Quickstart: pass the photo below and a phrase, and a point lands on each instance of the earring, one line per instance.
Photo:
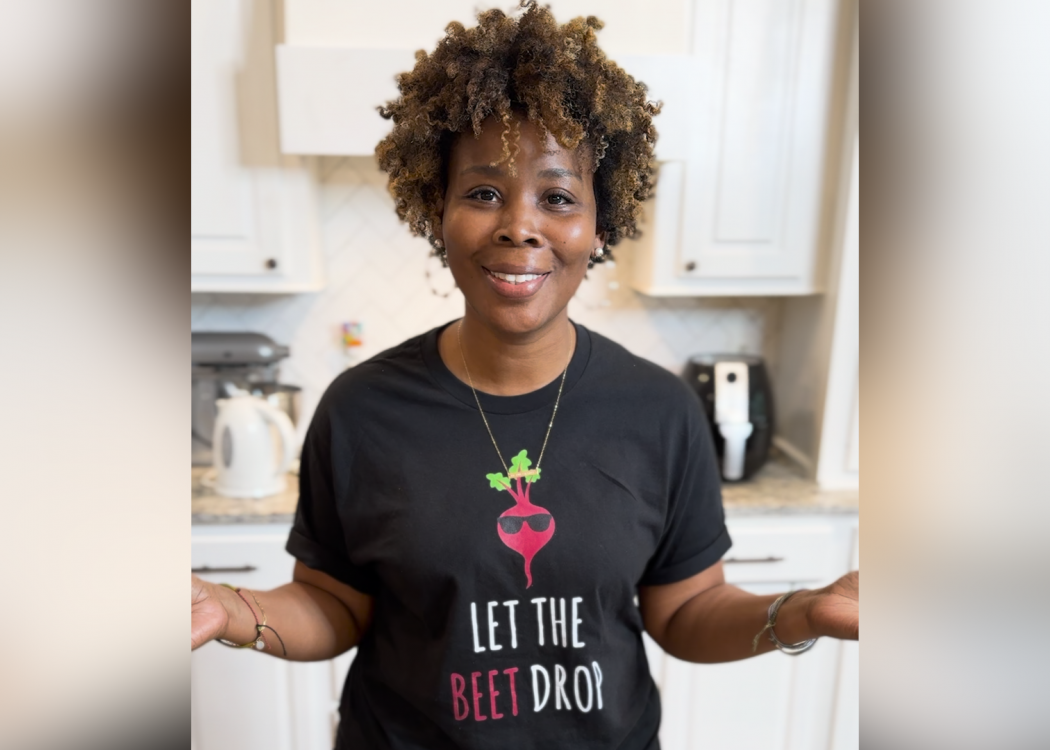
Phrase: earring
(598, 256)
(439, 251)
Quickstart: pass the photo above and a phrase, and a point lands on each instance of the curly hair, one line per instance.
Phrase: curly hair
(556, 76)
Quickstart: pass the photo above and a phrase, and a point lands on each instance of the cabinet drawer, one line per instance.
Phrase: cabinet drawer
(257, 562)
(781, 553)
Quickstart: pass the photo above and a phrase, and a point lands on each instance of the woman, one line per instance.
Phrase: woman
(480, 506)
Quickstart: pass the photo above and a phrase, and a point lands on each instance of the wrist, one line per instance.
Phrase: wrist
(240, 621)
(794, 624)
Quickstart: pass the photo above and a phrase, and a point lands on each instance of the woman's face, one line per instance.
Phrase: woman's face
(518, 245)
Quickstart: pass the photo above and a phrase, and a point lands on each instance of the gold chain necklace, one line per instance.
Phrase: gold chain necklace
(459, 338)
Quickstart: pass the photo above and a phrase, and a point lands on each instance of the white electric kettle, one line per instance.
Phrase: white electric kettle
(246, 460)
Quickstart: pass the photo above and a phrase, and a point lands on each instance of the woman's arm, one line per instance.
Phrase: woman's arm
(316, 616)
(704, 619)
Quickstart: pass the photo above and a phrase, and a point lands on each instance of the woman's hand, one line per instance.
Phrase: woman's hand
(209, 618)
(835, 610)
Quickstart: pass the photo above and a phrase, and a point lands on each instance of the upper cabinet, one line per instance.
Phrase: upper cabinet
(253, 221)
(752, 97)
(745, 212)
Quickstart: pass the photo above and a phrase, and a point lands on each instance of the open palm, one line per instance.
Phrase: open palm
(835, 610)
(208, 618)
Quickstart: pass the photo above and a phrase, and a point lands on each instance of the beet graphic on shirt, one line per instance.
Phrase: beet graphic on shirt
(525, 528)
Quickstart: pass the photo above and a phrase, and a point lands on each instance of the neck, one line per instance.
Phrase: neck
(507, 365)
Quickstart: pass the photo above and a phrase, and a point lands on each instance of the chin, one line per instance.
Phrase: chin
(519, 322)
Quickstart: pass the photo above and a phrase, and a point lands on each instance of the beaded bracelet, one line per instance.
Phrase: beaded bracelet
(259, 642)
(792, 649)
(264, 625)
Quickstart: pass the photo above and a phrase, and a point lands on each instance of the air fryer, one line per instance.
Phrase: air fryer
(736, 394)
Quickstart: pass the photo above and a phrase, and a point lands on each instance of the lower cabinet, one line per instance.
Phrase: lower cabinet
(773, 701)
(242, 701)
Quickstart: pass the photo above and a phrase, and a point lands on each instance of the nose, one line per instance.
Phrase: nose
(519, 226)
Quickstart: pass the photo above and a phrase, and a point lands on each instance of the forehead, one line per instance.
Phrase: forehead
(531, 147)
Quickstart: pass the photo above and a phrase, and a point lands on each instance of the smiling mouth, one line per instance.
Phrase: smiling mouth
(520, 278)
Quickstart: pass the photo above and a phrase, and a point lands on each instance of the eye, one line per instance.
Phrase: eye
(558, 199)
(486, 195)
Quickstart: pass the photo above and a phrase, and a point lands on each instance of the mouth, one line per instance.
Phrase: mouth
(516, 283)
(516, 278)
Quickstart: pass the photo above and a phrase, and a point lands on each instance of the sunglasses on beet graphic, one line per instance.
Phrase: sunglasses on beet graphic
(512, 524)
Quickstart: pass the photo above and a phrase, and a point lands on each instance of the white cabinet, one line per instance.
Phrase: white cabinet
(753, 98)
(773, 701)
(846, 721)
(246, 701)
(253, 214)
(742, 213)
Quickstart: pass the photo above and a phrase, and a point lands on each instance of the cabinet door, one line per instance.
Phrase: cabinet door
(774, 701)
(845, 731)
(317, 689)
(241, 700)
(741, 213)
(232, 232)
(753, 187)
(247, 701)
(253, 224)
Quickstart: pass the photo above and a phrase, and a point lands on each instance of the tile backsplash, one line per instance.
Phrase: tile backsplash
(383, 278)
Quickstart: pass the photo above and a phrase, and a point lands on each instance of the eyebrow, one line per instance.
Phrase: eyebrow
(497, 171)
(559, 172)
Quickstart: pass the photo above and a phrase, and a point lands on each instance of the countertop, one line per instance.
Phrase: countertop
(780, 487)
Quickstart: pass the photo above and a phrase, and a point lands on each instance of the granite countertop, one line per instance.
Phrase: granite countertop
(210, 508)
(779, 488)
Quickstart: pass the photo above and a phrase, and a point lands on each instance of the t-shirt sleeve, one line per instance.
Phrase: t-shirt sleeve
(695, 535)
(318, 537)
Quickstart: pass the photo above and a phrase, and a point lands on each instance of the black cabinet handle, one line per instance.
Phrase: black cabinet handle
(729, 560)
(271, 263)
(242, 569)
(690, 266)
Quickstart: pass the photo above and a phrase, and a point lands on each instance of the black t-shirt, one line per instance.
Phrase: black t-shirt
(505, 611)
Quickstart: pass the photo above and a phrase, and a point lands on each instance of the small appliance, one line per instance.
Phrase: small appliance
(225, 361)
(738, 398)
(247, 459)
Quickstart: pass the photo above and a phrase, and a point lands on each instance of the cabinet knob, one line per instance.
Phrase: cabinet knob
(271, 263)
(690, 266)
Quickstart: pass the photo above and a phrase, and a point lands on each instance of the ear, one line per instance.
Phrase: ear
(599, 242)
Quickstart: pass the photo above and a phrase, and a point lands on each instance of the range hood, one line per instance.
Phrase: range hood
(327, 97)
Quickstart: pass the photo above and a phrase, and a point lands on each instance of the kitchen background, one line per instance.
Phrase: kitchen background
(745, 248)
(376, 275)
(750, 247)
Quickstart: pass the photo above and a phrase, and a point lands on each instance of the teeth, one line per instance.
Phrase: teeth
(516, 278)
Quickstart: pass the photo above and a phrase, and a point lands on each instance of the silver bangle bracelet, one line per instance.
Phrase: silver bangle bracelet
(792, 649)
